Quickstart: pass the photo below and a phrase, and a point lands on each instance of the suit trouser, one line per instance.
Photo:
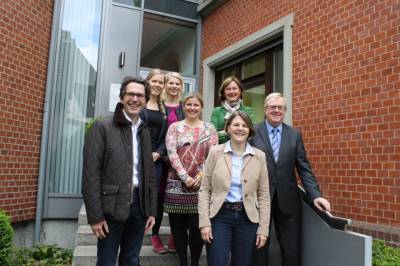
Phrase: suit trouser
(288, 232)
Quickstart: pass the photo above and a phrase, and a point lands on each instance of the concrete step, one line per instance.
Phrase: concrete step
(86, 256)
(85, 237)
(82, 220)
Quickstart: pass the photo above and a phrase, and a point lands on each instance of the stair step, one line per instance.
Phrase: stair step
(85, 237)
(82, 219)
(86, 256)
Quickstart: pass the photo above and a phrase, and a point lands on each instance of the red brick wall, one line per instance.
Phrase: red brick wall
(25, 28)
(346, 93)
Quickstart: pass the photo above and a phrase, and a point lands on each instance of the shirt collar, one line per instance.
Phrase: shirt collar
(270, 127)
(138, 122)
(248, 150)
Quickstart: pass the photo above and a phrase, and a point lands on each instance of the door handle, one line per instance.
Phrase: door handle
(121, 59)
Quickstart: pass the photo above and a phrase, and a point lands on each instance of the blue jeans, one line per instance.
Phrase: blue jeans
(128, 235)
(233, 232)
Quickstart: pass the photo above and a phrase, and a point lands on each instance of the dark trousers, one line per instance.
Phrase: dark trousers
(232, 232)
(127, 235)
(288, 233)
(185, 228)
(159, 173)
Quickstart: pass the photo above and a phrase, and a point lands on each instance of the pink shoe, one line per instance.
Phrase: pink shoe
(171, 244)
(157, 244)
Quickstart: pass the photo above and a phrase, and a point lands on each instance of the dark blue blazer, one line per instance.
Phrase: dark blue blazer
(282, 174)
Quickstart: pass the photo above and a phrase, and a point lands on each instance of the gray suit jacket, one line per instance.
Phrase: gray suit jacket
(282, 174)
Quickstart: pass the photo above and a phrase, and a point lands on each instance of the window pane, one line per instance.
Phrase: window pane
(231, 71)
(254, 97)
(168, 44)
(173, 7)
(278, 70)
(253, 66)
(136, 3)
(73, 94)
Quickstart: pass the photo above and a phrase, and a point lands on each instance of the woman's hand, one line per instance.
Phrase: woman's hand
(206, 234)
(197, 181)
(156, 156)
(189, 182)
(260, 241)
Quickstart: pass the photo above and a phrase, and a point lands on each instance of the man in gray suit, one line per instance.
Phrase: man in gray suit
(285, 153)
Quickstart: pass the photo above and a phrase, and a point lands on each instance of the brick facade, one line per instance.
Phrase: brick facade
(25, 29)
(346, 95)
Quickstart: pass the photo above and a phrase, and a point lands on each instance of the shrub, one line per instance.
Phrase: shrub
(46, 255)
(6, 238)
(383, 255)
(89, 124)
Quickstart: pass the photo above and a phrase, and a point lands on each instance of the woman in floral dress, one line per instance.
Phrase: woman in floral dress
(188, 142)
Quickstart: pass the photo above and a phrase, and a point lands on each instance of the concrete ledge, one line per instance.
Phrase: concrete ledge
(208, 6)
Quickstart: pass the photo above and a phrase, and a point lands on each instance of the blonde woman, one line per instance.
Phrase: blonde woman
(172, 97)
(155, 118)
(188, 142)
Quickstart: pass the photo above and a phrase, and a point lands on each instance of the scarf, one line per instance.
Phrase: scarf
(230, 108)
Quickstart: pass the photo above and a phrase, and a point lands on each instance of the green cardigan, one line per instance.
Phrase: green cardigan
(217, 119)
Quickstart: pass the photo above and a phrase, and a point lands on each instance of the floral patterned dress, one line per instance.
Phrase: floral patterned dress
(187, 151)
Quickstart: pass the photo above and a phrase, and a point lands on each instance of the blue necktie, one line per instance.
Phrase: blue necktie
(275, 143)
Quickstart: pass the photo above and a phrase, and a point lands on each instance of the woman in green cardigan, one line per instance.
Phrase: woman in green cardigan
(230, 97)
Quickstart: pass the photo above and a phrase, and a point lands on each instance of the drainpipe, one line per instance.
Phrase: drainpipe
(42, 171)
(198, 54)
(45, 125)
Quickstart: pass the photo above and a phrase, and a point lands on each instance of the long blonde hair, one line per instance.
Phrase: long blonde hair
(152, 73)
(168, 77)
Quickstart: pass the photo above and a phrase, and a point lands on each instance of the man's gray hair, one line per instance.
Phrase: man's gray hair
(273, 96)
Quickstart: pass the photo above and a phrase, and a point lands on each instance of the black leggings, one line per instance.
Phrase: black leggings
(159, 173)
(181, 224)
(160, 212)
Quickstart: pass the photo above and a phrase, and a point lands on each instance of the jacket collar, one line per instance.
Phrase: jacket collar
(120, 118)
(248, 149)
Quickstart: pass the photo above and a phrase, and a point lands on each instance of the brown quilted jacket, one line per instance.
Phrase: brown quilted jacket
(107, 170)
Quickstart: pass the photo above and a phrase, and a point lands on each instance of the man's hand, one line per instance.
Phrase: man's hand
(322, 204)
(149, 224)
(260, 241)
(100, 230)
(206, 234)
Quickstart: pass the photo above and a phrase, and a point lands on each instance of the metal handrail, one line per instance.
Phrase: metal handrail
(333, 221)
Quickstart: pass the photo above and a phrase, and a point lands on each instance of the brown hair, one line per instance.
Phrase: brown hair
(225, 84)
(246, 118)
(130, 79)
(193, 95)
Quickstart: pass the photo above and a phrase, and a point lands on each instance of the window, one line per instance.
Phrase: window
(173, 7)
(260, 72)
(135, 3)
(73, 93)
(168, 44)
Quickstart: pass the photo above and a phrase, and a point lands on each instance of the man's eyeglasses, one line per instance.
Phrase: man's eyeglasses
(279, 107)
(132, 95)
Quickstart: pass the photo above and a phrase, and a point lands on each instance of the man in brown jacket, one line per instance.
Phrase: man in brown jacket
(119, 187)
